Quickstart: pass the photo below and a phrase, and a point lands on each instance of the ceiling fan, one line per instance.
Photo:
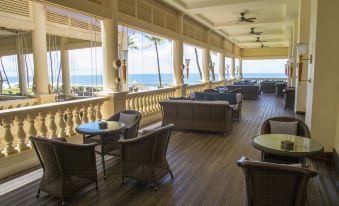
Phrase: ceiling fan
(255, 32)
(242, 18)
(8, 30)
(259, 41)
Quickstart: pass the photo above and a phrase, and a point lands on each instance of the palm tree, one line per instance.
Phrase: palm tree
(197, 61)
(131, 42)
(157, 41)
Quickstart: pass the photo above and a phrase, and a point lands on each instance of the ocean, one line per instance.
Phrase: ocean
(146, 80)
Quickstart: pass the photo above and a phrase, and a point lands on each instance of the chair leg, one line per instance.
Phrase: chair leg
(38, 194)
(103, 165)
(155, 186)
(96, 185)
(171, 173)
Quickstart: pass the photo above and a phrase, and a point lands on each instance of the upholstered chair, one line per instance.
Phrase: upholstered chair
(144, 157)
(67, 168)
(274, 184)
(302, 130)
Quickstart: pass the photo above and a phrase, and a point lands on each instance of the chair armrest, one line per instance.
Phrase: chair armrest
(115, 117)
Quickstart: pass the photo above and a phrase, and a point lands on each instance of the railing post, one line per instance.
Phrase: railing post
(91, 113)
(116, 102)
(69, 122)
(52, 125)
(98, 112)
(61, 124)
(181, 91)
(8, 137)
(31, 121)
(77, 119)
(21, 134)
(42, 125)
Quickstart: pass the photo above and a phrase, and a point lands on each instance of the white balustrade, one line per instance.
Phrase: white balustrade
(147, 102)
(195, 88)
(11, 104)
(46, 120)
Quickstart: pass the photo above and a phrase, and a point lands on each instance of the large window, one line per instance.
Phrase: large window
(194, 55)
(228, 64)
(214, 63)
(150, 60)
(267, 68)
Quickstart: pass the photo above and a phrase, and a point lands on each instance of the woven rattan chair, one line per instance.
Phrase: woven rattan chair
(67, 168)
(274, 184)
(144, 158)
(302, 130)
(109, 145)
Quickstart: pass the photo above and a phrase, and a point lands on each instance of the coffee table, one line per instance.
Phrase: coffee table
(92, 129)
(271, 143)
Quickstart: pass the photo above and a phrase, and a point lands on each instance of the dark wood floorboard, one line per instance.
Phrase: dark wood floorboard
(204, 170)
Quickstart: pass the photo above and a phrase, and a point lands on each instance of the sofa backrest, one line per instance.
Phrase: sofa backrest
(205, 96)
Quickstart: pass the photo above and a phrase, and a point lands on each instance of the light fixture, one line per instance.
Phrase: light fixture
(302, 49)
(187, 61)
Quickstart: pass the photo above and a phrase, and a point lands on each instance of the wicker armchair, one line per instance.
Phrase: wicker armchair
(67, 168)
(144, 157)
(302, 130)
(274, 184)
(109, 145)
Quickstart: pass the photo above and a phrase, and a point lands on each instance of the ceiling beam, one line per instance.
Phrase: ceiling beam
(265, 35)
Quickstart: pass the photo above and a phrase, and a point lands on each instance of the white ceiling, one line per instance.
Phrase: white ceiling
(275, 18)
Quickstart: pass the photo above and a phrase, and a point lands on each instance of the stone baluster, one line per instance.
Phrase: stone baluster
(21, 134)
(61, 124)
(31, 121)
(98, 112)
(42, 125)
(8, 137)
(136, 105)
(147, 102)
(91, 113)
(85, 114)
(52, 125)
(154, 102)
(127, 104)
(143, 101)
(69, 122)
(157, 102)
(131, 103)
(77, 119)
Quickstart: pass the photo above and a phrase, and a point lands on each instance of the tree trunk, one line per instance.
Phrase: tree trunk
(197, 61)
(159, 75)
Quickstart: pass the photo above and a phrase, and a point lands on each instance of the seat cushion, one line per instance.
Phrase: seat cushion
(128, 119)
(278, 127)
(230, 97)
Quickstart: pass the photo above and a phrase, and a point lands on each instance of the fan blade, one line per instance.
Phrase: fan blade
(253, 18)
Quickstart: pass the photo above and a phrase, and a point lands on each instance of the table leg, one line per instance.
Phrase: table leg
(103, 157)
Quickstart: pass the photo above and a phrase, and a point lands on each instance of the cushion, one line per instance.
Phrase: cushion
(217, 97)
(199, 96)
(278, 127)
(208, 96)
(230, 97)
(128, 119)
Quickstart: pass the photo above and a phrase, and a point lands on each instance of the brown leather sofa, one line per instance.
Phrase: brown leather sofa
(213, 116)
(247, 91)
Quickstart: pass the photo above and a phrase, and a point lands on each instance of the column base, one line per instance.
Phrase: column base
(46, 98)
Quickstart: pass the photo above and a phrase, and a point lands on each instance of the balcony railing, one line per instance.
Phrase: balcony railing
(46, 120)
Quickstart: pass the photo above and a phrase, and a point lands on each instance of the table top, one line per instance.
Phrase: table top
(92, 128)
(271, 143)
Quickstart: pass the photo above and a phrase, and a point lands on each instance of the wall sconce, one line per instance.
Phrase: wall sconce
(301, 50)
(187, 61)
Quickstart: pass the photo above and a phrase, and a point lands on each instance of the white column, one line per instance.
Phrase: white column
(178, 54)
(21, 67)
(206, 60)
(240, 68)
(322, 93)
(304, 34)
(66, 80)
(109, 39)
(40, 49)
(221, 66)
(232, 68)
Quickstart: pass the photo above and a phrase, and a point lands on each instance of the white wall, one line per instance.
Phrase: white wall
(322, 93)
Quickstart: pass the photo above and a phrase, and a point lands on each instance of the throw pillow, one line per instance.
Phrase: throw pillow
(128, 119)
(278, 127)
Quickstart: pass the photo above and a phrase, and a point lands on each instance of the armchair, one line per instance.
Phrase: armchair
(274, 184)
(144, 157)
(67, 168)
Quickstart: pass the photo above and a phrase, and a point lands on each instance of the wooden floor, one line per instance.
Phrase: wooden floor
(204, 170)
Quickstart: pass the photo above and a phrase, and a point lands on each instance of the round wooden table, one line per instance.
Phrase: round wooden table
(92, 129)
(271, 143)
